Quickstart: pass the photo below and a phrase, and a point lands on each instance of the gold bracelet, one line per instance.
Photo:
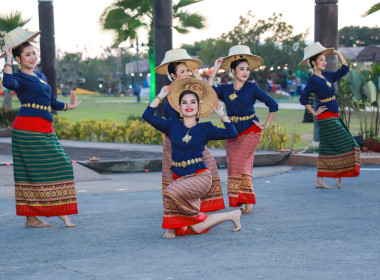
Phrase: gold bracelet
(66, 107)
(10, 65)
(212, 77)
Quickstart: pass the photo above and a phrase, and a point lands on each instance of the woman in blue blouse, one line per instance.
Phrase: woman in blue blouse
(43, 174)
(339, 154)
(177, 64)
(194, 99)
(240, 98)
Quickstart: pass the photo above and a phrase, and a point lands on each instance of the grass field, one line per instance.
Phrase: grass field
(119, 108)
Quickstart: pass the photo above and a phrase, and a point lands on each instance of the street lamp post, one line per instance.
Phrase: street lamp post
(137, 86)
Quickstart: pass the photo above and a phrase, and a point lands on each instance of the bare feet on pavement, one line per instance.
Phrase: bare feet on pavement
(33, 221)
(236, 219)
(247, 208)
(170, 233)
(338, 180)
(67, 221)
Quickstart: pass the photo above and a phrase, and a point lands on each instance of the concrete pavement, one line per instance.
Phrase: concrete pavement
(296, 232)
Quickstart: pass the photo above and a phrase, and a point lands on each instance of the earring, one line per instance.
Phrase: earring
(315, 67)
(198, 114)
(19, 66)
(180, 115)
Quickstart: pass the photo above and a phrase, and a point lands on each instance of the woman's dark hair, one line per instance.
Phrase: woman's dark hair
(188, 92)
(235, 63)
(314, 58)
(172, 67)
(18, 51)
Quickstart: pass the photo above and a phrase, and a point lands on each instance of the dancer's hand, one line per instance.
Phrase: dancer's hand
(218, 63)
(320, 110)
(197, 75)
(74, 102)
(259, 124)
(336, 52)
(8, 51)
(219, 109)
(164, 92)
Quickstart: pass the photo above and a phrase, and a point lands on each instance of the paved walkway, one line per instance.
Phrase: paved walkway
(296, 232)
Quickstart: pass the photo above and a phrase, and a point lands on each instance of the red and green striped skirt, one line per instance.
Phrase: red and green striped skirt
(43, 174)
(339, 154)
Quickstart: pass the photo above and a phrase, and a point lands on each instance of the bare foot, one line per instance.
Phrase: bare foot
(248, 208)
(338, 180)
(67, 221)
(236, 219)
(33, 221)
(322, 185)
(170, 233)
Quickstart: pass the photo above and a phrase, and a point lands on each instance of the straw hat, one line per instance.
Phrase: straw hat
(177, 55)
(18, 36)
(314, 49)
(241, 52)
(207, 96)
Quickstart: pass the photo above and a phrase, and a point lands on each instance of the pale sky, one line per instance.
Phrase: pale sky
(77, 21)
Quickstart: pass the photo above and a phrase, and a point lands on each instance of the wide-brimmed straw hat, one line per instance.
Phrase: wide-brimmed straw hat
(207, 96)
(177, 55)
(241, 52)
(312, 50)
(18, 36)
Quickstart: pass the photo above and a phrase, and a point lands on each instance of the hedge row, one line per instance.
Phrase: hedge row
(136, 130)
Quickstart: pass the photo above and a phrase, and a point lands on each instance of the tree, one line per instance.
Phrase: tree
(127, 17)
(356, 36)
(272, 39)
(7, 24)
(372, 10)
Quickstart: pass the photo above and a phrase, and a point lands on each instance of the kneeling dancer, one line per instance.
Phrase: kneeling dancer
(182, 198)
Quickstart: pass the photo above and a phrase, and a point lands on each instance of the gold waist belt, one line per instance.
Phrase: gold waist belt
(236, 119)
(186, 163)
(327, 99)
(37, 106)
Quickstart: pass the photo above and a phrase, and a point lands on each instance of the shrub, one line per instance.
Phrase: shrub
(7, 118)
(138, 131)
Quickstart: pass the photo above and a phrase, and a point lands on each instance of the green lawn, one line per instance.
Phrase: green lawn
(119, 108)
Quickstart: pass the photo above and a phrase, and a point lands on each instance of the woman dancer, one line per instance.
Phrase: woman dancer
(240, 98)
(339, 154)
(43, 174)
(194, 99)
(176, 65)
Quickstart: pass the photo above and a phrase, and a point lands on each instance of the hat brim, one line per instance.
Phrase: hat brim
(193, 64)
(30, 37)
(254, 61)
(207, 103)
(327, 51)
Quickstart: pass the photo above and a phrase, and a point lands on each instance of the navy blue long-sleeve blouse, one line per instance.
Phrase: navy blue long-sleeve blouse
(169, 112)
(243, 105)
(322, 90)
(200, 133)
(30, 89)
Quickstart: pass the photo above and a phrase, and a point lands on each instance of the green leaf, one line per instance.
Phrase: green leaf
(355, 83)
(369, 89)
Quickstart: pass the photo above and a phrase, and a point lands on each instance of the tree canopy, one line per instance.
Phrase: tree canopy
(356, 36)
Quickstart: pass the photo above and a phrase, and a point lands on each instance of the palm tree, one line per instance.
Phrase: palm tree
(127, 17)
(8, 23)
(371, 10)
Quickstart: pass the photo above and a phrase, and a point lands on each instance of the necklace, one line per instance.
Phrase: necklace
(327, 82)
(186, 139)
(233, 96)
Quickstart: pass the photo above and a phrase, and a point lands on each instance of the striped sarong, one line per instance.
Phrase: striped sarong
(213, 200)
(182, 200)
(240, 156)
(339, 154)
(43, 174)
